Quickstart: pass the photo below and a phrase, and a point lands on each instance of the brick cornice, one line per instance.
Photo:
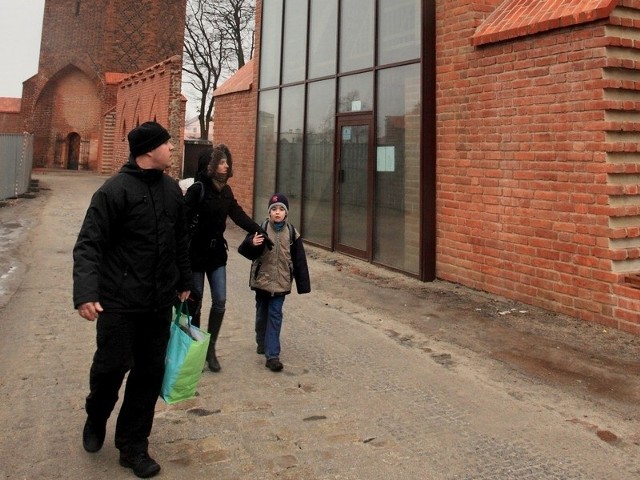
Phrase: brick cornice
(516, 18)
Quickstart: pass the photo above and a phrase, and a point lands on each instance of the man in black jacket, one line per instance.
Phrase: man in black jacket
(130, 263)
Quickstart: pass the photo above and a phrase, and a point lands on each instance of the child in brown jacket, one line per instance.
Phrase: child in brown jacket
(273, 270)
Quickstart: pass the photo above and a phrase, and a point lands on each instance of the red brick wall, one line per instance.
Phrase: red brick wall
(11, 123)
(110, 35)
(140, 33)
(528, 164)
(152, 94)
(235, 125)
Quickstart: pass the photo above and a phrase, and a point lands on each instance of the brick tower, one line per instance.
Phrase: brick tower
(87, 48)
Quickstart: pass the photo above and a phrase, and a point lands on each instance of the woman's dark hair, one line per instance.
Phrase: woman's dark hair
(203, 161)
(214, 154)
(219, 151)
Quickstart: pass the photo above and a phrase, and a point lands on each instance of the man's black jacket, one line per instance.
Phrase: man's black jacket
(132, 250)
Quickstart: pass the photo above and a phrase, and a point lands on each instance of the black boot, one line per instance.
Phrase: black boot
(93, 434)
(215, 322)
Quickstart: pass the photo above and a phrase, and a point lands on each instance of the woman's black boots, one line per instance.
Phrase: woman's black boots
(215, 322)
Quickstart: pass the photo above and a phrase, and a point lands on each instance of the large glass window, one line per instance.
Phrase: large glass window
(398, 31)
(320, 61)
(397, 178)
(266, 149)
(270, 43)
(295, 41)
(356, 35)
(323, 28)
(289, 179)
(356, 93)
(318, 165)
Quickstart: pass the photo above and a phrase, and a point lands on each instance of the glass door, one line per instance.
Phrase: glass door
(354, 182)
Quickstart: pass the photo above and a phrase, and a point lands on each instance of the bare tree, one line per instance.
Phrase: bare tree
(218, 38)
(237, 20)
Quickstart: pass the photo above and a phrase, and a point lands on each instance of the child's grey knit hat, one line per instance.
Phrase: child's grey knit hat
(280, 200)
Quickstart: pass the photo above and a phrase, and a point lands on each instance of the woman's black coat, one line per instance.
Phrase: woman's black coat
(208, 249)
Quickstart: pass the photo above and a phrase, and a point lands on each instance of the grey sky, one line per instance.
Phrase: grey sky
(20, 30)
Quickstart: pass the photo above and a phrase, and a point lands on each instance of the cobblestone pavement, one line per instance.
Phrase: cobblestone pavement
(353, 401)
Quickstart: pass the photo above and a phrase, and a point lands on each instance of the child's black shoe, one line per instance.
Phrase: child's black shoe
(274, 364)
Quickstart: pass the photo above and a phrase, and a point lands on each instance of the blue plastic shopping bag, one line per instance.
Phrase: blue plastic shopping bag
(186, 354)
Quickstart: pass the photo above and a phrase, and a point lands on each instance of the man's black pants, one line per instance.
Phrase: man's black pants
(134, 343)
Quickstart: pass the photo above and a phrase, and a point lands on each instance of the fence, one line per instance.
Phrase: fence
(16, 160)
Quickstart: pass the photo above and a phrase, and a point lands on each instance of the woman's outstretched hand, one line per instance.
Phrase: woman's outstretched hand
(258, 239)
(265, 239)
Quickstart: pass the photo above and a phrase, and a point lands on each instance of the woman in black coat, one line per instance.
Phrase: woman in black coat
(209, 202)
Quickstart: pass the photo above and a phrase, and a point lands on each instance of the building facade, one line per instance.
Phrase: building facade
(492, 144)
(151, 94)
(10, 115)
(88, 47)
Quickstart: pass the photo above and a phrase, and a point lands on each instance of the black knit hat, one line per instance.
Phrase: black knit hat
(279, 199)
(146, 137)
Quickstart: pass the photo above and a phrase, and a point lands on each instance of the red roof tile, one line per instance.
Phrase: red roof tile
(515, 18)
(239, 82)
(10, 104)
(113, 78)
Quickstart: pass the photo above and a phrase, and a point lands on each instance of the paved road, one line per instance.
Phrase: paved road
(352, 403)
